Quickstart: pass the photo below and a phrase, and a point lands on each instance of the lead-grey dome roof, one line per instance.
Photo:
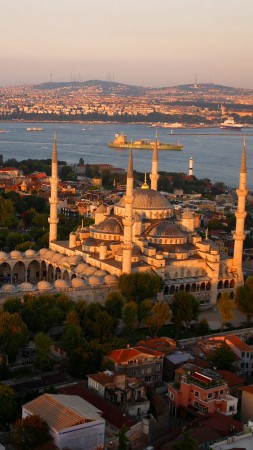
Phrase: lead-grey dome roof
(166, 229)
(147, 199)
(110, 225)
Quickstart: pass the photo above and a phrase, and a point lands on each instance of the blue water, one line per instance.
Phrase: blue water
(216, 155)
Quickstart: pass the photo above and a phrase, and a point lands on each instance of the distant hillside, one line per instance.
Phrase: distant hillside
(103, 87)
(121, 89)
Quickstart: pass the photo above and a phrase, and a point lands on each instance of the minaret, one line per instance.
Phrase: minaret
(53, 200)
(240, 215)
(191, 166)
(128, 219)
(154, 174)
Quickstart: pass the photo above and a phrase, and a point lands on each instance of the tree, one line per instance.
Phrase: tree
(185, 309)
(7, 213)
(8, 405)
(13, 334)
(223, 357)
(30, 433)
(144, 310)
(139, 286)
(123, 439)
(159, 315)
(225, 308)
(103, 325)
(72, 337)
(187, 443)
(13, 305)
(130, 316)
(244, 298)
(67, 174)
(43, 344)
(114, 304)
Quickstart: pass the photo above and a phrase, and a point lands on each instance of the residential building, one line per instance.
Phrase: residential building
(138, 362)
(200, 392)
(128, 393)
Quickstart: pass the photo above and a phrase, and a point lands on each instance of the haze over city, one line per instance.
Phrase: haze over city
(148, 42)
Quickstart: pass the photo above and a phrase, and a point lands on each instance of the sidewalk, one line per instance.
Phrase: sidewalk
(214, 319)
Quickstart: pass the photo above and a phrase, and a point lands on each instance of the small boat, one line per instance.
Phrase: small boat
(230, 124)
(35, 129)
(3, 131)
(120, 141)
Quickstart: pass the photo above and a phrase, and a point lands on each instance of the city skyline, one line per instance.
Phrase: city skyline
(144, 43)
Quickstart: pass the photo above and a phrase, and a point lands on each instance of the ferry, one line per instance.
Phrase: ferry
(230, 124)
(121, 141)
(35, 129)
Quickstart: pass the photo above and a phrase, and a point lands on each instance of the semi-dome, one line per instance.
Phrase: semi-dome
(15, 254)
(9, 288)
(94, 281)
(44, 286)
(166, 229)
(111, 279)
(30, 253)
(26, 287)
(81, 267)
(110, 225)
(61, 284)
(78, 283)
(147, 199)
(3, 256)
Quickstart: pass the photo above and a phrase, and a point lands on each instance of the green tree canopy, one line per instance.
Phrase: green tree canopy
(223, 357)
(159, 315)
(8, 405)
(13, 305)
(185, 309)
(13, 333)
(244, 298)
(7, 213)
(72, 337)
(40, 312)
(114, 304)
(43, 344)
(130, 316)
(139, 286)
(30, 433)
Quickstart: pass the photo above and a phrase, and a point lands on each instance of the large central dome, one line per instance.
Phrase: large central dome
(147, 199)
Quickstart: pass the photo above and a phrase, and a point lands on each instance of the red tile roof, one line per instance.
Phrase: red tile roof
(231, 378)
(126, 354)
(238, 343)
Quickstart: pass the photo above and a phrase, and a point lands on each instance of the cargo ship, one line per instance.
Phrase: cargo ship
(121, 141)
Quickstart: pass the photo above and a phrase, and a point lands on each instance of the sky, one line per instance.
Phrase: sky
(140, 42)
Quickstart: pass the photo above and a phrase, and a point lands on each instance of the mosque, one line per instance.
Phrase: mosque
(142, 232)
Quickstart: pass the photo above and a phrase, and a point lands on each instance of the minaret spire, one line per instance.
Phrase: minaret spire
(154, 173)
(53, 200)
(240, 215)
(128, 218)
